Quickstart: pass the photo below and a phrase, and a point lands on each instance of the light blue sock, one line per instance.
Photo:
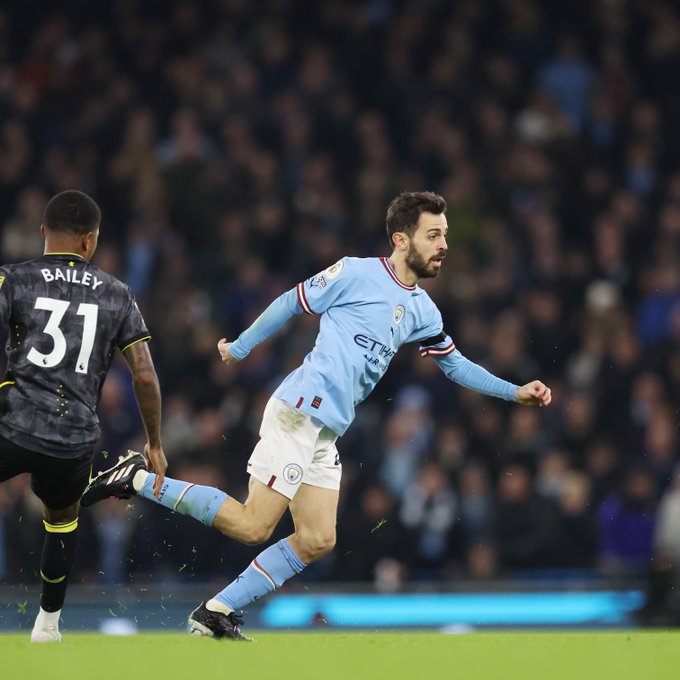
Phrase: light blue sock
(199, 502)
(265, 573)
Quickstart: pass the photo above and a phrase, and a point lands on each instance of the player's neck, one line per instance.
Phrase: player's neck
(64, 252)
(57, 247)
(402, 271)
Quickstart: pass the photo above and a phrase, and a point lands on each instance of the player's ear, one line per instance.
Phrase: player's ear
(88, 242)
(42, 231)
(399, 240)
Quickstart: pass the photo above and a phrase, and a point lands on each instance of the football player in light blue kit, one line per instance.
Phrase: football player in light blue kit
(369, 308)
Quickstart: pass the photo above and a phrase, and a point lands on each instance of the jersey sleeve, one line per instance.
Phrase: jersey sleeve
(132, 329)
(313, 296)
(430, 335)
(320, 292)
(275, 316)
(467, 373)
(5, 298)
(436, 343)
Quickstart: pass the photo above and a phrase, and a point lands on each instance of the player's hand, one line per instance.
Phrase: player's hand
(223, 348)
(156, 462)
(534, 393)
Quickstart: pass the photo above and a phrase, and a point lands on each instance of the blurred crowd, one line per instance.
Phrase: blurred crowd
(237, 148)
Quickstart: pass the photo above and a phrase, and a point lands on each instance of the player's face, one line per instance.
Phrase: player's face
(427, 248)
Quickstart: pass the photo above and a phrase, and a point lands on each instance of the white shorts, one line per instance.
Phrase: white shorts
(294, 448)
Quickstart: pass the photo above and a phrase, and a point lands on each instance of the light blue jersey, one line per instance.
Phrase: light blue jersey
(367, 314)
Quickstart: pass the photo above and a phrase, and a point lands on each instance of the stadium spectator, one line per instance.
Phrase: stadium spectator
(524, 525)
(429, 511)
(626, 520)
(578, 532)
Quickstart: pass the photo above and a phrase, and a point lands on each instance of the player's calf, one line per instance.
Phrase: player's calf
(312, 546)
(129, 477)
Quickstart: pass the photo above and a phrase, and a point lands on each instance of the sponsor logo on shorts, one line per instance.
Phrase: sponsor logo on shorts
(292, 473)
(316, 402)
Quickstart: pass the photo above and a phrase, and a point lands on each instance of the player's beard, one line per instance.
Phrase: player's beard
(422, 268)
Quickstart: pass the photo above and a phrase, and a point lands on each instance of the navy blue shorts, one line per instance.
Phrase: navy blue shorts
(57, 482)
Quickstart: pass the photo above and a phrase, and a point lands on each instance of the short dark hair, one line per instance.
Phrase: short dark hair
(72, 211)
(404, 211)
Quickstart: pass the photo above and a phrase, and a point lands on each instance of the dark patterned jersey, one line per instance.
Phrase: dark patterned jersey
(64, 318)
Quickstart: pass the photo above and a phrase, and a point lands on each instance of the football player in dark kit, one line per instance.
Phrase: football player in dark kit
(64, 318)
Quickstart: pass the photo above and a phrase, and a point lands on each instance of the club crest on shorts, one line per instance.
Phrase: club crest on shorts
(399, 313)
(335, 269)
(292, 473)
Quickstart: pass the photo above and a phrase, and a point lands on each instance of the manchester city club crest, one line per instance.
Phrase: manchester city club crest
(399, 313)
(292, 473)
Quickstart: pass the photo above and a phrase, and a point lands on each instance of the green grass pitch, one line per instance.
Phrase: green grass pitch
(350, 656)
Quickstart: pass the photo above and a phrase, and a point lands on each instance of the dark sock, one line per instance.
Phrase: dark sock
(58, 553)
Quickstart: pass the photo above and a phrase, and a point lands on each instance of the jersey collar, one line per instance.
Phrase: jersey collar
(64, 255)
(388, 266)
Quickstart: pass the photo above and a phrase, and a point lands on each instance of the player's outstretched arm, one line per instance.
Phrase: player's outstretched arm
(475, 377)
(148, 394)
(534, 393)
(275, 316)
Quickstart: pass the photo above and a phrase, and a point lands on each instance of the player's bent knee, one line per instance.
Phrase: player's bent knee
(62, 516)
(256, 534)
(326, 546)
(315, 546)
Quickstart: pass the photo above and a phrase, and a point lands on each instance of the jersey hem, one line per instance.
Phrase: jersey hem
(46, 447)
(313, 413)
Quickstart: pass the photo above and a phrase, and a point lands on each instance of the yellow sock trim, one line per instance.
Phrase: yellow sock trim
(51, 580)
(61, 528)
(8, 382)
